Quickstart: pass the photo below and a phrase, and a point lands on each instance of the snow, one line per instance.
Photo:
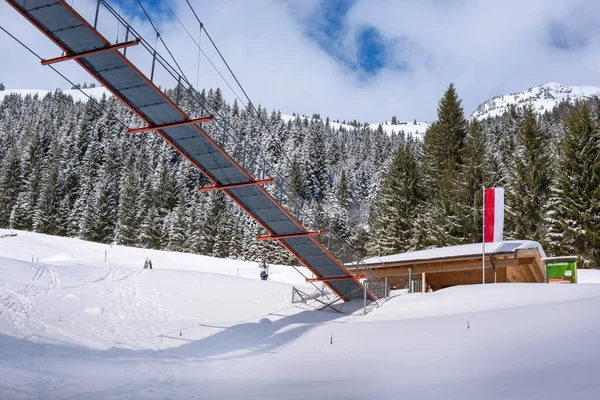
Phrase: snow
(335, 125)
(459, 251)
(46, 249)
(542, 98)
(407, 127)
(74, 326)
(96, 93)
(588, 276)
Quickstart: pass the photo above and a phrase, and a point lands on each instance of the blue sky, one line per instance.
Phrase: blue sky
(327, 25)
(353, 59)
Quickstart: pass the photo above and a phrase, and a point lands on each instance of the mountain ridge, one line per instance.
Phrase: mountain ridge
(543, 98)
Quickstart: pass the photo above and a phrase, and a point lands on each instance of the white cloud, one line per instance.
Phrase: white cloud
(486, 48)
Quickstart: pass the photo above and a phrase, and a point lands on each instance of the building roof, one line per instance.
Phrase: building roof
(464, 250)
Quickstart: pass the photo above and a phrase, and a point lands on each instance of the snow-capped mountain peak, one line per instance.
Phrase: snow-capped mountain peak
(543, 98)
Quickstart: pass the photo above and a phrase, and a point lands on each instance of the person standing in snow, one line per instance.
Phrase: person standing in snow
(264, 270)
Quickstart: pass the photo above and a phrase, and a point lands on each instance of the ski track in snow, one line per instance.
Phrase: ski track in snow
(23, 306)
(71, 328)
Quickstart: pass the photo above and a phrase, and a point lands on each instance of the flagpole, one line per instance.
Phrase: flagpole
(483, 237)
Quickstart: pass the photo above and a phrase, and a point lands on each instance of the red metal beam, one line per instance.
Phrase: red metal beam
(285, 246)
(235, 185)
(173, 125)
(91, 52)
(289, 236)
(335, 278)
(174, 145)
(136, 70)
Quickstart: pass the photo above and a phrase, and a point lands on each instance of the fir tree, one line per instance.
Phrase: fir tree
(128, 222)
(528, 187)
(574, 207)
(316, 162)
(10, 185)
(178, 228)
(393, 219)
(216, 218)
(150, 235)
(473, 177)
(46, 217)
(441, 220)
(24, 209)
(444, 141)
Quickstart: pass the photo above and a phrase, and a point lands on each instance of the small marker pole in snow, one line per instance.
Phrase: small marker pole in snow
(468, 325)
(331, 339)
(365, 300)
(180, 333)
(386, 291)
(104, 255)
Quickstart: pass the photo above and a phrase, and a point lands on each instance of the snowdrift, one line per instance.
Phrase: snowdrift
(75, 326)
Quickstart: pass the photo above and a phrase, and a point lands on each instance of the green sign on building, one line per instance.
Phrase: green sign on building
(561, 270)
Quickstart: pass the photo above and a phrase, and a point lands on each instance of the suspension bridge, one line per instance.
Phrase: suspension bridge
(212, 154)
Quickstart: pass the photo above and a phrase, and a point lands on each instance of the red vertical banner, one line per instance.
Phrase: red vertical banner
(489, 214)
(494, 215)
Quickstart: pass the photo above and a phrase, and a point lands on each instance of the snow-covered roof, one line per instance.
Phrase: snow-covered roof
(560, 258)
(463, 250)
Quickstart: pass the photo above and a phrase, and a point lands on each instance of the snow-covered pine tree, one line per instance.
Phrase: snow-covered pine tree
(24, 209)
(315, 165)
(529, 180)
(10, 185)
(215, 218)
(473, 176)
(442, 160)
(128, 222)
(574, 206)
(86, 204)
(46, 217)
(149, 234)
(393, 217)
(178, 228)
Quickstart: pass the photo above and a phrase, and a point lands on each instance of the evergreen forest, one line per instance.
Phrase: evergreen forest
(69, 168)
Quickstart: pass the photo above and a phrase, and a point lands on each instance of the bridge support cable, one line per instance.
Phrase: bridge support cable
(90, 98)
(159, 112)
(251, 104)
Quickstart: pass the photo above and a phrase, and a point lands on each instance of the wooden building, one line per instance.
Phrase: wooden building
(509, 261)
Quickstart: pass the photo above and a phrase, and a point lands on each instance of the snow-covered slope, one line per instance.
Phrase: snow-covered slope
(410, 128)
(407, 127)
(97, 93)
(542, 98)
(46, 249)
(335, 125)
(74, 326)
